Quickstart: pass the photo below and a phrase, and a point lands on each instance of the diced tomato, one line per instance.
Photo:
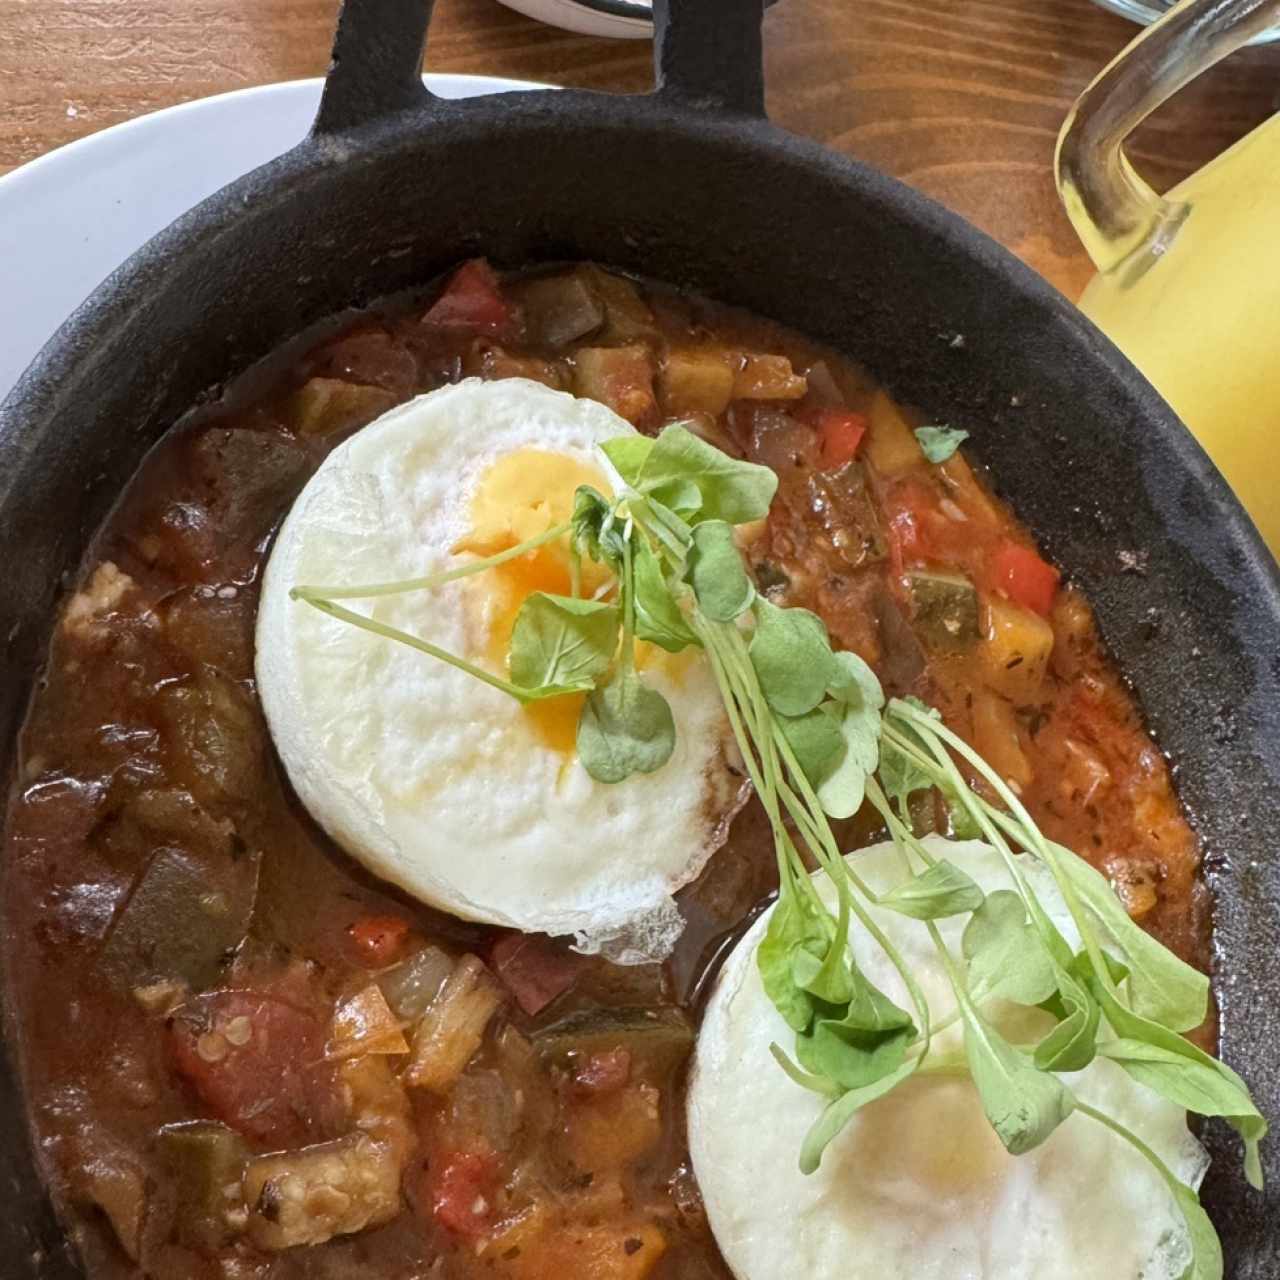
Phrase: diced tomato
(908, 512)
(462, 1187)
(472, 302)
(378, 941)
(604, 1072)
(534, 970)
(840, 433)
(918, 530)
(1023, 576)
(256, 1062)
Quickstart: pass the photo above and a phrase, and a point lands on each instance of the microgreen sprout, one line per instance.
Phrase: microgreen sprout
(817, 740)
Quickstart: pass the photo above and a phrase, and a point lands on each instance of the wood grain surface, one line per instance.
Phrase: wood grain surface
(961, 98)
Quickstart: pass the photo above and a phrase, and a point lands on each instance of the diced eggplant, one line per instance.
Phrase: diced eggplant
(619, 377)
(841, 500)
(695, 380)
(184, 915)
(248, 478)
(311, 1195)
(944, 609)
(411, 987)
(328, 406)
(216, 731)
(205, 1161)
(823, 391)
(627, 317)
(560, 309)
(486, 360)
(778, 441)
(660, 1037)
(484, 1107)
(1015, 651)
(714, 431)
(210, 630)
(372, 357)
(902, 660)
(451, 1030)
(163, 817)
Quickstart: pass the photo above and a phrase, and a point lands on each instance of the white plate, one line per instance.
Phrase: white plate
(630, 19)
(68, 219)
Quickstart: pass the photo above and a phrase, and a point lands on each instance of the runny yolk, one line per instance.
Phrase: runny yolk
(522, 495)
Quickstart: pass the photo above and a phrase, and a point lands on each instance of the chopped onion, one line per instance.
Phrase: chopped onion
(412, 986)
(364, 1023)
(451, 1030)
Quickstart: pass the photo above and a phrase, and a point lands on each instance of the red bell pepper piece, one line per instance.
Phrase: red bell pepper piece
(840, 433)
(1023, 576)
(472, 302)
(463, 1185)
(378, 941)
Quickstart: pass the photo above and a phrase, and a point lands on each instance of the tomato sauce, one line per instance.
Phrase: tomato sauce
(216, 1005)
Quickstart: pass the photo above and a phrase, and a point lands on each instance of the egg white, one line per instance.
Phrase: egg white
(432, 779)
(918, 1187)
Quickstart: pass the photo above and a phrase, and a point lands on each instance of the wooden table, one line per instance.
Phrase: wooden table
(961, 98)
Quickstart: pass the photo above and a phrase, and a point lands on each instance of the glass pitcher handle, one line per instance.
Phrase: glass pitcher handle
(1117, 216)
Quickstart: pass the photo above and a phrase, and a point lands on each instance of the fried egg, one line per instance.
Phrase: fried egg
(918, 1186)
(450, 788)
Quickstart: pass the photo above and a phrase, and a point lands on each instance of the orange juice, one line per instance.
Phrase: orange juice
(1202, 322)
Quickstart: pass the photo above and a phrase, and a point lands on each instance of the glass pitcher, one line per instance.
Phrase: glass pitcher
(1188, 283)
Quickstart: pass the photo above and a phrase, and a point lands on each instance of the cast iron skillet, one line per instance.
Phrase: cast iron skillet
(692, 185)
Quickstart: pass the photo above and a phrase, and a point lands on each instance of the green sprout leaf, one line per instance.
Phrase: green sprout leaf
(794, 925)
(792, 657)
(726, 489)
(719, 579)
(900, 776)
(857, 699)
(1073, 1044)
(941, 890)
(866, 1043)
(628, 454)
(843, 1109)
(964, 826)
(1023, 1105)
(560, 644)
(939, 443)
(1161, 987)
(1229, 1094)
(625, 728)
(815, 1084)
(1005, 955)
(818, 744)
(595, 530)
(659, 618)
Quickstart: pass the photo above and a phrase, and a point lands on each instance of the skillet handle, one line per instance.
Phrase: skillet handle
(377, 63)
(709, 53)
